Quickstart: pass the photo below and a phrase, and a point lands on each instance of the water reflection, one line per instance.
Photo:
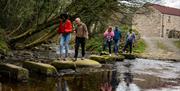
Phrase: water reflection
(125, 77)
(0, 86)
(62, 85)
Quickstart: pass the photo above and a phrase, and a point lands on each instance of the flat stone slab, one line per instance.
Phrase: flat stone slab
(107, 58)
(14, 72)
(87, 63)
(69, 64)
(40, 68)
(63, 64)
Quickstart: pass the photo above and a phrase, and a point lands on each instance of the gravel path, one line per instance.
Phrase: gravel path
(161, 48)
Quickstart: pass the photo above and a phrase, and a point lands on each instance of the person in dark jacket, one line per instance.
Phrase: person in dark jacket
(116, 38)
(130, 38)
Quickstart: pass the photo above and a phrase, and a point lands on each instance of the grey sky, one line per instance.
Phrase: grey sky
(170, 3)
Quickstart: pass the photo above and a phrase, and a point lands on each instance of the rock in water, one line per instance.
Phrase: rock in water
(40, 68)
(14, 72)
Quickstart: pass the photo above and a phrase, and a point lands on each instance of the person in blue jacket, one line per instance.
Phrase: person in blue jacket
(116, 38)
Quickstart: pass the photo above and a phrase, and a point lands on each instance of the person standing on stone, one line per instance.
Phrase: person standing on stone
(130, 38)
(81, 34)
(65, 29)
(116, 38)
(108, 36)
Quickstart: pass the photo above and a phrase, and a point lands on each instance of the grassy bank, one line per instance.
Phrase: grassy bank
(140, 46)
(177, 43)
(95, 44)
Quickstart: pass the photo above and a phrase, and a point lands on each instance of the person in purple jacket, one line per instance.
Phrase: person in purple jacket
(130, 38)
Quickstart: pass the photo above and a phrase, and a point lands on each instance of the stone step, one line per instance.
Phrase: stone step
(129, 56)
(40, 68)
(107, 58)
(14, 72)
(69, 64)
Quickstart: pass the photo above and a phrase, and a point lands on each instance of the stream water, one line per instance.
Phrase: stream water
(130, 75)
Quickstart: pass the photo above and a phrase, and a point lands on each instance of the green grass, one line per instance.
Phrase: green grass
(95, 44)
(177, 43)
(161, 46)
(140, 46)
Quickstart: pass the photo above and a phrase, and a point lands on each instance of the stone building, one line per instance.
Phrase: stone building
(159, 21)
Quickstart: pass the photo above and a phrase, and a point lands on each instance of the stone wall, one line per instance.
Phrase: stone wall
(156, 24)
(148, 24)
(171, 26)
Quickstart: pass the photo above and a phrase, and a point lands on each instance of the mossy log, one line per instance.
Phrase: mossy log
(107, 58)
(129, 56)
(40, 68)
(14, 72)
(79, 63)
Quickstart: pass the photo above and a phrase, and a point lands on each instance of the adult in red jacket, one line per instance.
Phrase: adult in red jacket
(65, 28)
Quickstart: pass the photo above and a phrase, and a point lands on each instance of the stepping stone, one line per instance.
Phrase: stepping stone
(107, 58)
(129, 56)
(14, 72)
(87, 63)
(63, 64)
(69, 64)
(40, 68)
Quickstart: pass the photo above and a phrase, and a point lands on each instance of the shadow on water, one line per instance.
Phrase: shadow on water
(121, 76)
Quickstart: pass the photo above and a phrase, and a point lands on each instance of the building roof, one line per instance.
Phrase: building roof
(166, 10)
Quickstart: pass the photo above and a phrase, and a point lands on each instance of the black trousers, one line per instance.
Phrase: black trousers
(128, 43)
(79, 41)
(107, 43)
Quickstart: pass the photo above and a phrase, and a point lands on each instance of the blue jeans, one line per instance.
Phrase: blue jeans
(64, 43)
(116, 46)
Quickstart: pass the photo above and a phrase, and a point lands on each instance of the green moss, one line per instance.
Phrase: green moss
(104, 53)
(177, 43)
(63, 64)
(13, 71)
(3, 44)
(140, 46)
(40, 68)
(107, 58)
(79, 63)
(129, 56)
(87, 63)
(98, 58)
